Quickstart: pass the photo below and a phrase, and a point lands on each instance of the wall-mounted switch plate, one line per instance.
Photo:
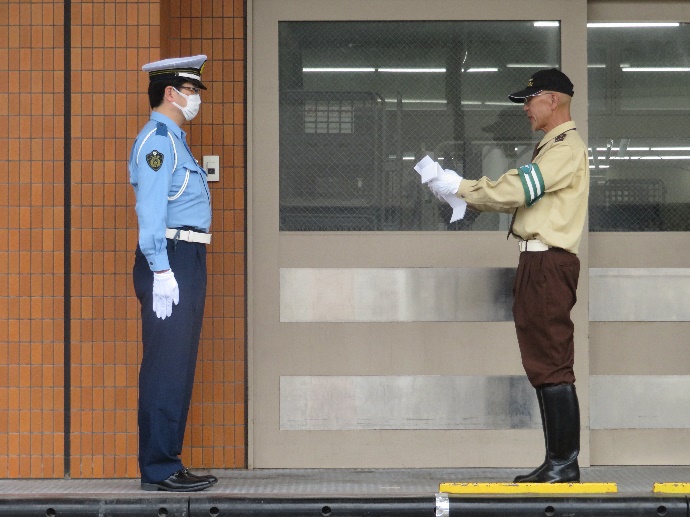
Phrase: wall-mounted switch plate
(212, 166)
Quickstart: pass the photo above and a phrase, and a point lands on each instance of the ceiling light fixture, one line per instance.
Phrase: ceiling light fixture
(335, 69)
(655, 69)
(419, 101)
(616, 25)
(413, 70)
(530, 65)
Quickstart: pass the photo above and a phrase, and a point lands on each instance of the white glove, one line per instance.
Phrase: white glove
(446, 183)
(165, 292)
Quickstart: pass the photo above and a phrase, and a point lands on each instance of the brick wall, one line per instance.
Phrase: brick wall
(93, 320)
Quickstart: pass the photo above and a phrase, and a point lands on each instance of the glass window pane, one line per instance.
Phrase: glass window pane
(639, 127)
(361, 102)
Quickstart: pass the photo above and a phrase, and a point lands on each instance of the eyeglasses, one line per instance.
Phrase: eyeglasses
(529, 99)
(191, 89)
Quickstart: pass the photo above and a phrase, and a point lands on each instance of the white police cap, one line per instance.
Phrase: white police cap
(187, 67)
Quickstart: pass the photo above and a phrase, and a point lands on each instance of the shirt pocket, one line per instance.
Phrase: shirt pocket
(184, 179)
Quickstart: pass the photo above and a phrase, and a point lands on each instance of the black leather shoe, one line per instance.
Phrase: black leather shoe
(180, 481)
(208, 477)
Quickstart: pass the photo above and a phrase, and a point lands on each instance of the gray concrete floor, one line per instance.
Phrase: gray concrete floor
(342, 482)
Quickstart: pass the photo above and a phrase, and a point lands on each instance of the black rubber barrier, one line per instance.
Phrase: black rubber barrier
(549, 506)
(45, 505)
(315, 507)
(197, 505)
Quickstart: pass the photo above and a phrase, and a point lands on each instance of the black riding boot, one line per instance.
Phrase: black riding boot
(522, 477)
(562, 425)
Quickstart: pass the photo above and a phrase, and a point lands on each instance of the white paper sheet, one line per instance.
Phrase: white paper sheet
(459, 207)
(428, 169)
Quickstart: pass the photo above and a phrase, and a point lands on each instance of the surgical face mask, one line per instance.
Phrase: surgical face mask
(192, 108)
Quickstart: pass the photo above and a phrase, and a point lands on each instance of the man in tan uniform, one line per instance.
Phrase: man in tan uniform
(548, 199)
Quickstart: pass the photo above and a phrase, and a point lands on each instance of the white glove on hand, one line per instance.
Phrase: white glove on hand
(445, 184)
(165, 292)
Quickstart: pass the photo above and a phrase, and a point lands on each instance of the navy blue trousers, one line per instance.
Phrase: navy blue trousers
(170, 346)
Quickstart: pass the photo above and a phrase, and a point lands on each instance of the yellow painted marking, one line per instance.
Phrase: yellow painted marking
(672, 488)
(528, 488)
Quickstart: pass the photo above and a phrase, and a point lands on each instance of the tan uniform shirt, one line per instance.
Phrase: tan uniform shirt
(550, 194)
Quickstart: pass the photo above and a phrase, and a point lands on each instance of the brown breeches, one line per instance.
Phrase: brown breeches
(544, 294)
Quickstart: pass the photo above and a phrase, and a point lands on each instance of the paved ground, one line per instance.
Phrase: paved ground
(341, 482)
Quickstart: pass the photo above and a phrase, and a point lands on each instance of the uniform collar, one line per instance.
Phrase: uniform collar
(172, 127)
(566, 126)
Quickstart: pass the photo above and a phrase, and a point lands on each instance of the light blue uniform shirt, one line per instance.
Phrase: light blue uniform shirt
(170, 187)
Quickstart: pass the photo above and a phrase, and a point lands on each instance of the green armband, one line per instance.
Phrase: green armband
(532, 183)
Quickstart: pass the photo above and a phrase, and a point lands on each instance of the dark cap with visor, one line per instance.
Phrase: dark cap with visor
(552, 80)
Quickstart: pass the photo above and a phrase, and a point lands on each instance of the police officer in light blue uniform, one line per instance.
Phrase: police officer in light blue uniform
(173, 206)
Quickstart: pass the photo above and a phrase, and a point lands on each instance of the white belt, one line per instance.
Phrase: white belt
(533, 245)
(188, 235)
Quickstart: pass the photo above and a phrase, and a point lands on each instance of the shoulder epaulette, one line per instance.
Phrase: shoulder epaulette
(161, 129)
